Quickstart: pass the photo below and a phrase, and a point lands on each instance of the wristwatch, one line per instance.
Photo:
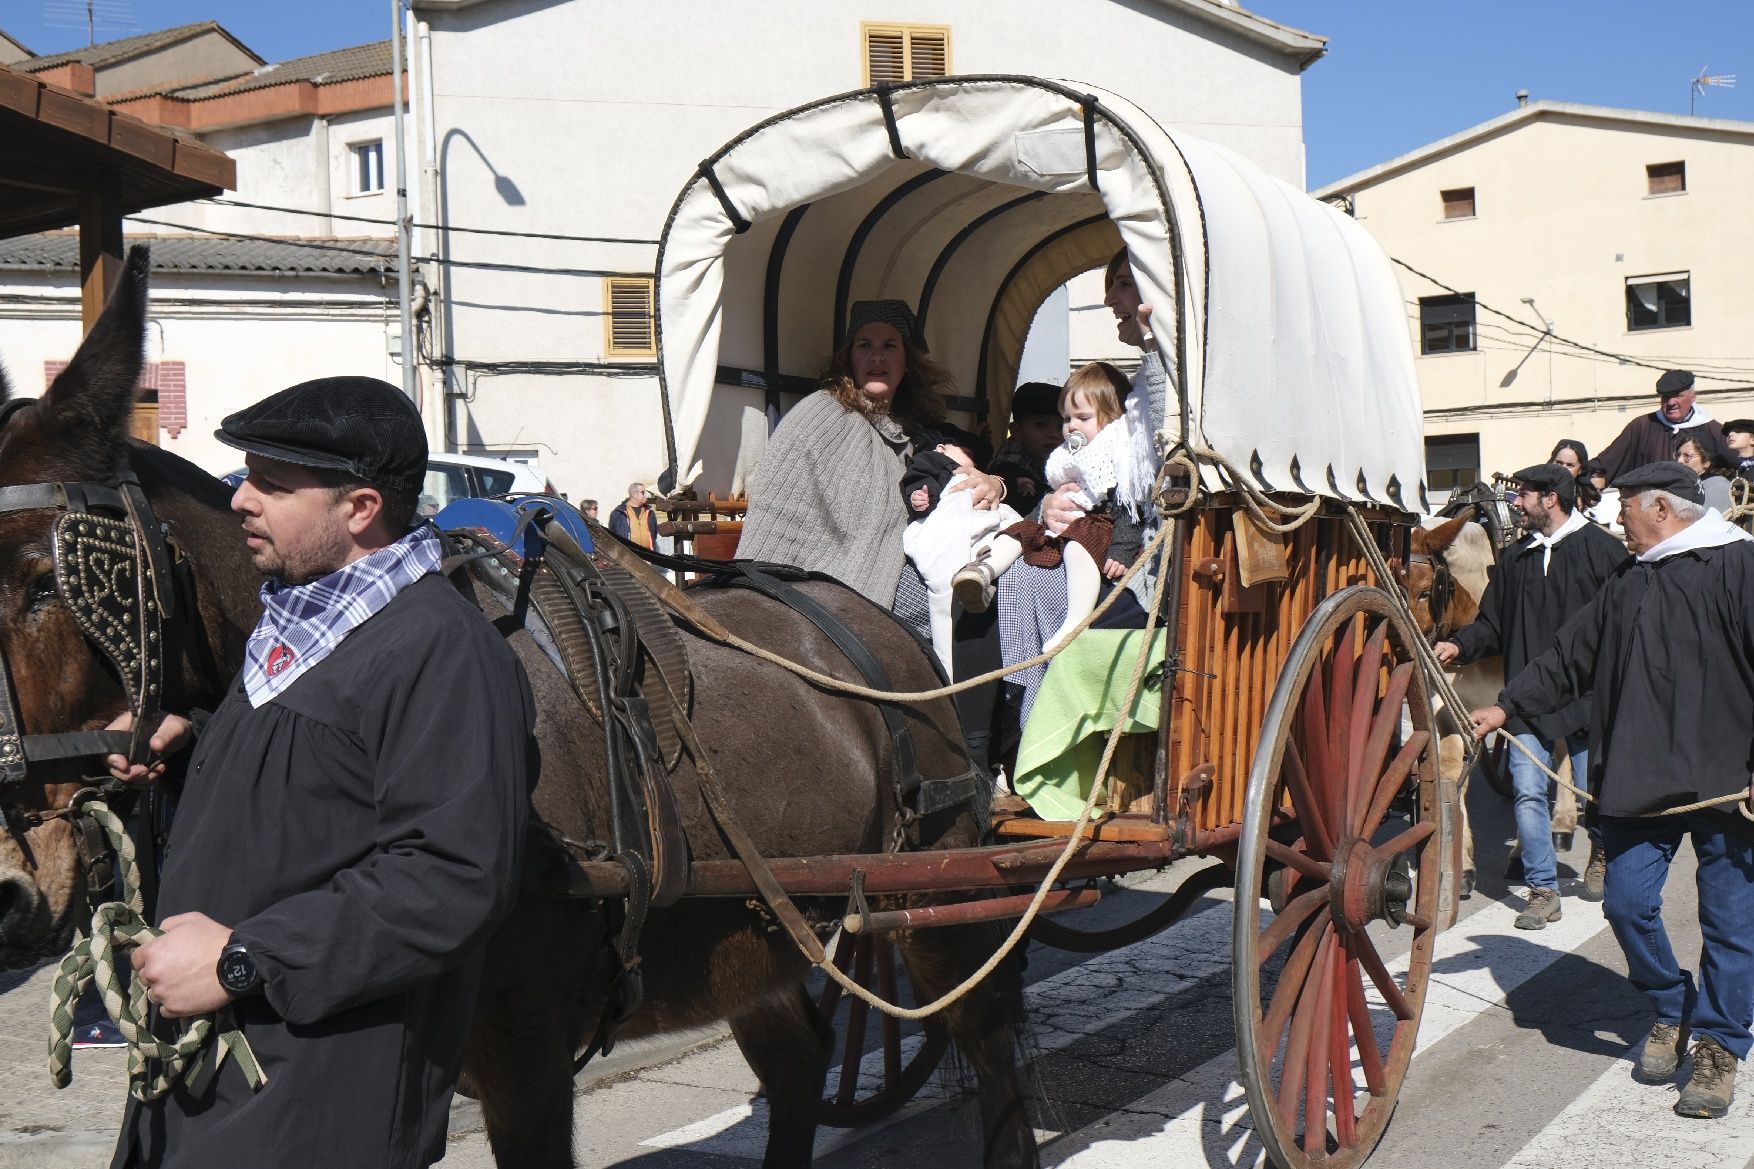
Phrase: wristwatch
(237, 970)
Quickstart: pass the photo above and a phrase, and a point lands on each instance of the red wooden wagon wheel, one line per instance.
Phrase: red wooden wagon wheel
(910, 1050)
(1341, 831)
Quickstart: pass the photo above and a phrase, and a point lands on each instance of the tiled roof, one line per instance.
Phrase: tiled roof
(59, 252)
(347, 64)
(110, 52)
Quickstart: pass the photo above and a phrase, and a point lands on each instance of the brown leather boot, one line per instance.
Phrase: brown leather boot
(1662, 1051)
(1712, 1086)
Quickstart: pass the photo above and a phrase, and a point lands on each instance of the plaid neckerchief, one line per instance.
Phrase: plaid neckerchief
(302, 624)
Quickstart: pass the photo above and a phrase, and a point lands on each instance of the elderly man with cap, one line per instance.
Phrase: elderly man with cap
(1651, 438)
(352, 824)
(1541, 581)
(1666, 650)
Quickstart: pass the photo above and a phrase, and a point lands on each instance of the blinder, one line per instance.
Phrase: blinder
(111, 564)
(1443, 591)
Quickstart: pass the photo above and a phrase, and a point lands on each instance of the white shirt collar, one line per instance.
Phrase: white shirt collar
(1696, 417)
(1710, 530)
(1576, 521)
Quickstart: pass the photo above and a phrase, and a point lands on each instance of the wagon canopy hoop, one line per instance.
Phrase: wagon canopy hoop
(1281, 321)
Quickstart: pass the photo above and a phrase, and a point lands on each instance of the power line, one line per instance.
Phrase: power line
(485, 265)
(1622, 358)
(581, 239)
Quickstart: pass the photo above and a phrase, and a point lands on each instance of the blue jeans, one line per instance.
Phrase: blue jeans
(1639, 854)
(1534, 804)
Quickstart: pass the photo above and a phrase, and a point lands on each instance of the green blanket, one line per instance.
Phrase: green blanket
(1078, 704)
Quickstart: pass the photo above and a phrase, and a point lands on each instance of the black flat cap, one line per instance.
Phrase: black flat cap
(1743, 425)
(894, 313)
(360, 425)
(1035, 400)
(1666, 476)
(1545, 477)
(1674, 381)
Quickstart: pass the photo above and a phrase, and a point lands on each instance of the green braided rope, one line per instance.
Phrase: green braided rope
(154, 1066)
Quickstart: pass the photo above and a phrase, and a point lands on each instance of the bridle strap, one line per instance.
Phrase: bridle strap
(84, 497)
(1443, 591)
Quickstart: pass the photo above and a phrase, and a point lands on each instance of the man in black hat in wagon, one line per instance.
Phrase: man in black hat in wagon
(1540, 581)
(1667, 651)
(353, 818)
(1651, 438)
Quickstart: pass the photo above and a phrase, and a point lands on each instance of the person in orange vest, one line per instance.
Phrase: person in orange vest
(633, 519)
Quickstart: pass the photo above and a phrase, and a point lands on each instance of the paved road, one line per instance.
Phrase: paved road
(1523, 1060)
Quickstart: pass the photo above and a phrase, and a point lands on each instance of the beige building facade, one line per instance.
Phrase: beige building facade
(1555, 260)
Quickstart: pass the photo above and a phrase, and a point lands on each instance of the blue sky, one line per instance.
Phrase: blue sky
(1401, 73)
(1398, 73)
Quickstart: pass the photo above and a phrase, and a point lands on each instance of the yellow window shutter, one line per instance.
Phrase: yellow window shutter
(905, 52)
(629, 315)
(928, 54)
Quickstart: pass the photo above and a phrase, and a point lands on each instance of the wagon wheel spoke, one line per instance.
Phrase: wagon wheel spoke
(1297, 1043)
(1364, 1031)
(891, 1025)
(1303, 801)
(1315, 1077)
(1382, 731)
(1362, 727)
(1302, 862)
(1291, 979)
(1401, 842)
(1393, 778)
(1289, 919)
(1342, 664)
(1340, 1057)
(1364, 950)
(858, 1012)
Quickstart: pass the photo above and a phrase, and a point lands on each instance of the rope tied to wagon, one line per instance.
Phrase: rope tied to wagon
(1744, 799)
(154, 1066)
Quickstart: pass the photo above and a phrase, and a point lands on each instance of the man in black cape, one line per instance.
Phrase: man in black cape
(354, 814)
(1651, 438)
(1667, 651)
(1539, 583)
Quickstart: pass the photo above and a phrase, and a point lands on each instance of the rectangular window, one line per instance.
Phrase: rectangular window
(1658, 302)
(905, 52)
(1446, 323)
(1667, 178)
(1458, 203)
(1452, 462)
(368, 167)
(627, 310)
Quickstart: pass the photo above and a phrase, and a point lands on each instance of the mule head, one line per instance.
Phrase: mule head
(1438, 605)
(77, 433)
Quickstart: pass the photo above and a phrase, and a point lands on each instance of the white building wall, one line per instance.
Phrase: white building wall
(587, 118)
(240, 339)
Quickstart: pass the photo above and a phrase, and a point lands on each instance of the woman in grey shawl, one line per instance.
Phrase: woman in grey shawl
(826, 495)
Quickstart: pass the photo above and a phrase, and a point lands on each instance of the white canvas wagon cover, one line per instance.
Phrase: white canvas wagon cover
(973, 198)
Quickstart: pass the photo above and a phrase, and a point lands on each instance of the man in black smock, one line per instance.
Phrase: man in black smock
(1667, 650)
(1651, 438)
(1540, 581)
(354, 814)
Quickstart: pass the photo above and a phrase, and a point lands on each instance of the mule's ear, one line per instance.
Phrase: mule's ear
(93, 396)
(1439, 537)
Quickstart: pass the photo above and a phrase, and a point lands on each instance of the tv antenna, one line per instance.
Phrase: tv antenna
(93, 16)
(1697, 86)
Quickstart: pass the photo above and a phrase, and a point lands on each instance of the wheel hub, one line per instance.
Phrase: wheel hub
(1369, 886)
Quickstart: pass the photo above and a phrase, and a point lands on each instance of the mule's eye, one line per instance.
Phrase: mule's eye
(42, 590)
(1424, 594)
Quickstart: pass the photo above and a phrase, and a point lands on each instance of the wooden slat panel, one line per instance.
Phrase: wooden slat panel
(928, 55)
(885, 56)
(630, 331)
